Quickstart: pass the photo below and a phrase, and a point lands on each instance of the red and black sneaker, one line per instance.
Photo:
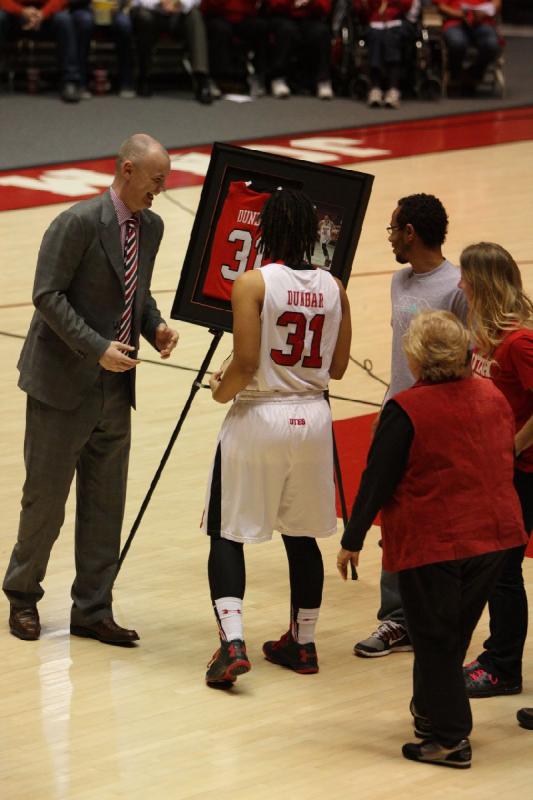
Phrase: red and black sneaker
(287, 652)
(480, 683)
(229, 661)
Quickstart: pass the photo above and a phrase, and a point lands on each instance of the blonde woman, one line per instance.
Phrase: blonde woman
(441, 472)
(501, 320)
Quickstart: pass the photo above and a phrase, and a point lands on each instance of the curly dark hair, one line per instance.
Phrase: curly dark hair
(288, 227)
(427, 215)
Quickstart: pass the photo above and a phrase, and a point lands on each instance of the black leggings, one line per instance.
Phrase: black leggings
(227, 573)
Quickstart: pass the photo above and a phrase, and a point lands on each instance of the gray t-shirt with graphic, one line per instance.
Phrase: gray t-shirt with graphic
(412, 292)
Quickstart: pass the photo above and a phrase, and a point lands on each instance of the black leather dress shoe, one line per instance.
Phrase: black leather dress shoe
(525, 717)
(70, 93)
(107, 631)
(144, 89)
(202, 90)
(24, 623)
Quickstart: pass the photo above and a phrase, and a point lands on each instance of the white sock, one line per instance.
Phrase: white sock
(229, 614)
(306, 620)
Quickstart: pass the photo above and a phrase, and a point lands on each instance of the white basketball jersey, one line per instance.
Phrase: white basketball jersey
(299, 328)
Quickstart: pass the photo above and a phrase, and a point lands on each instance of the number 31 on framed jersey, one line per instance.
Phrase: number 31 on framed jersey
(225, 240)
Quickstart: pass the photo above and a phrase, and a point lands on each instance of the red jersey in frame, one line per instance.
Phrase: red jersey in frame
(235, 243)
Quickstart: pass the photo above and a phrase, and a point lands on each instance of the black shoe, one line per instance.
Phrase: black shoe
(106, 631)
(202, 90)
(229, 661)
(430, 752)
(24, 623)
(70, 93)
(144, 88)
(480, 683)
(422, 725)
(525, 717)
(287, 652)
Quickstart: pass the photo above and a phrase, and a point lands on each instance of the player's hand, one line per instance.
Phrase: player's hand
(345, 557)
(214, 381)
(116, 359)
(166, 339)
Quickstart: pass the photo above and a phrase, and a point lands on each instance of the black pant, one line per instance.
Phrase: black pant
(312, 35)
(148, 26)
(227, 578)
(443, 603)
(93, 442)
(252, 32)
(508, 609)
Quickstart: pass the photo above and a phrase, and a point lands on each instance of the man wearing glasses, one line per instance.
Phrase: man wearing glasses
(417, 232)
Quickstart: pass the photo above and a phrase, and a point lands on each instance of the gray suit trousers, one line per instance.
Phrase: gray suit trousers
(93, 440)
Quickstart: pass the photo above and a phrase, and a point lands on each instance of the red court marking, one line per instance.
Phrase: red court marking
(45, 185)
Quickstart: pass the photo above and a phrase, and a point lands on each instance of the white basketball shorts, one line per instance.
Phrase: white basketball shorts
(273, 470)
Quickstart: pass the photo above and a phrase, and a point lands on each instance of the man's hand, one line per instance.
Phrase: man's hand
(345, 557)
(115, 358)
(32, 18)
(166, 339)
(170, 6)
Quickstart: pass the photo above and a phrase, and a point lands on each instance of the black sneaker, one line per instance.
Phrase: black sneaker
(229, 661)
(70, 92)
(430, 752)
(525, 717)
(422, 725)
(390, 637)
(202, 90)
(287, 652)
(480, 683)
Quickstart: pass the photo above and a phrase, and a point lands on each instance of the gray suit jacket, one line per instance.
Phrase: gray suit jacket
(79, 298)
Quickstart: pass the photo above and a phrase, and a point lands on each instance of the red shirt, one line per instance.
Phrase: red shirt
(314, 9)
(469, 18)
(232, 10)
(369, 10)
(510, 367)
(47, 7)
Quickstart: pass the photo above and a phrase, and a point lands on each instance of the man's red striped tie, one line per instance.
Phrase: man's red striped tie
(130, 277)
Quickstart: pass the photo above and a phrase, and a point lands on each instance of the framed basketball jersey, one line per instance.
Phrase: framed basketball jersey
(225, 242)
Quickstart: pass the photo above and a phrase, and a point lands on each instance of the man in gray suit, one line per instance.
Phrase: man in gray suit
(77, 366)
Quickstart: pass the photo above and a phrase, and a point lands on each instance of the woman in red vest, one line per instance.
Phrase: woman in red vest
(441, 471)
(501, 319)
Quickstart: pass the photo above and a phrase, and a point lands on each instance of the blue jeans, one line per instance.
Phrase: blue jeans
(122, 33)
(458, 39)
(58, 27)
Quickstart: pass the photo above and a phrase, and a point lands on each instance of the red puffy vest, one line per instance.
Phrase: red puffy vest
(456, 498)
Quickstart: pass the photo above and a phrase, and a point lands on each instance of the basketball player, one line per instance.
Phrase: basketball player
(273, 467)
(324, 230)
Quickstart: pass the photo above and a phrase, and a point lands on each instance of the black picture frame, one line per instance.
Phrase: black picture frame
(340, 194)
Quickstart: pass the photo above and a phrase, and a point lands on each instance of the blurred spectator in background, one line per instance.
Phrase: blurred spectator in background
(385, 37)
(181, 19)
(236, 21)
(469, 23)
(304, 25)
(47, 19)
(120, 27)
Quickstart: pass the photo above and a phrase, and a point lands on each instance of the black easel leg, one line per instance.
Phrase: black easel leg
(197, 383)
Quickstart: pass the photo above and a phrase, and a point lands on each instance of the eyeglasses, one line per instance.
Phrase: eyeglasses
(392, 228)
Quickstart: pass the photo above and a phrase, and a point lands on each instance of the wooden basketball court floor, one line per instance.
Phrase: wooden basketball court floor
(84, 721)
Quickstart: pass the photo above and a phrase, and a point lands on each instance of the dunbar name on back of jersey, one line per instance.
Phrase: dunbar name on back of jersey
(235, 243)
